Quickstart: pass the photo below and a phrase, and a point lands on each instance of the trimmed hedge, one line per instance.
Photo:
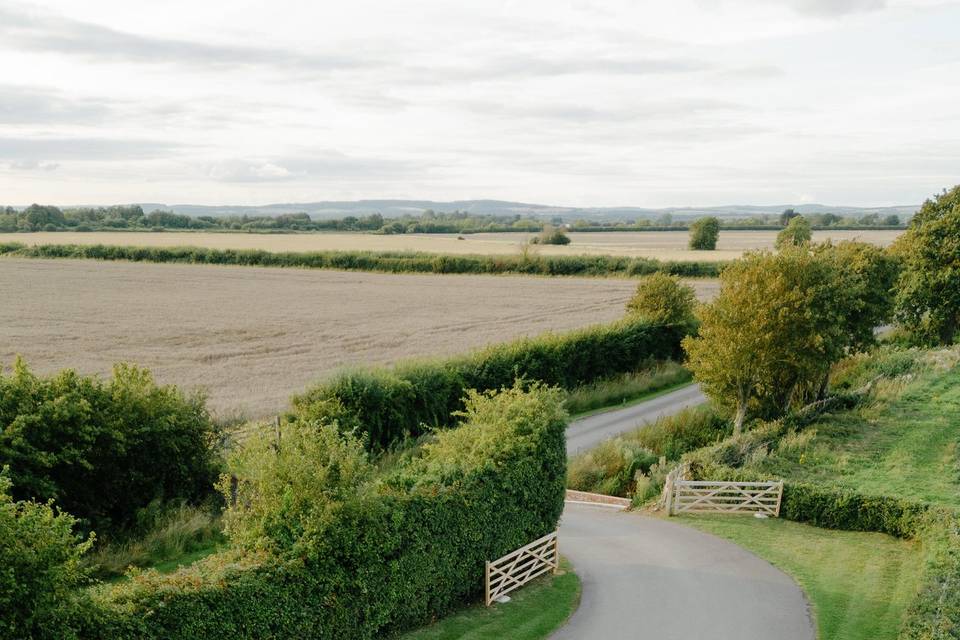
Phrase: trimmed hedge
(398, 553)
(390, 405)
(385, 261)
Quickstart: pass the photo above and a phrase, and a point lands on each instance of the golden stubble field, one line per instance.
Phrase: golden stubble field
(665, 245)
(253, 336)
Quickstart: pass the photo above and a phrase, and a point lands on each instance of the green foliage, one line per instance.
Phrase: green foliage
(40, 569)
(663, 299)
(414, 397)
(704, 234)
(928, 292)
(551, 235)
(776, 327)
(384, 261)
(612, 467)
(173, 532)
(795, 234)
(104, 449)
(397, 552)
(626, 387)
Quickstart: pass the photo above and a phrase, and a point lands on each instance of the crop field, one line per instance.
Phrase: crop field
(253, 336)
(664, 245)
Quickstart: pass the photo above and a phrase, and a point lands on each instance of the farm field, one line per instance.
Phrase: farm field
(253, 336)
(664, 245)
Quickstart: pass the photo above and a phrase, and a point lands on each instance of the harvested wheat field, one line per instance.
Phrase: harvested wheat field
(253, 336)
(665, 245)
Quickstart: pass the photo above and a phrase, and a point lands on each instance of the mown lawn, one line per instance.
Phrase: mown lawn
(533, 612)
(906, 448)
(859, 584)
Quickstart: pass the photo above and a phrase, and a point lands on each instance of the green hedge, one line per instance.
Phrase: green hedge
(103, 449)
(387, 261)
(399, 552)
(411, 398)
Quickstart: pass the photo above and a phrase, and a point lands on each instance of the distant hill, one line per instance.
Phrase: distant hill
(394, 208)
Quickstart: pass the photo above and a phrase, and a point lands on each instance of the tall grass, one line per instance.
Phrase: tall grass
(623, 388)
(179, 532)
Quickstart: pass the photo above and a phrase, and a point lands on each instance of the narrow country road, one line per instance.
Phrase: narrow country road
(588, 432)
(644, 577)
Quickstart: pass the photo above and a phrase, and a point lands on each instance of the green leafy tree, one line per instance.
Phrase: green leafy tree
(663, 299)
(892, 220)
(551, 235)
(704, 234)
(796, 233)
(928, 292)
(775, 327)
(40, 568)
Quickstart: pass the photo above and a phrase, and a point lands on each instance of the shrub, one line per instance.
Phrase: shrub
(414, 397)
(103, 450)
(397, 552)
(551, 235)
(663, 299)
(40, 569)
(704, 234)
(796, 233)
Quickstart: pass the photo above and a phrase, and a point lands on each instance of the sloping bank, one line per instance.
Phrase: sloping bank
(381, 261)
(324, 545)
(392, 404)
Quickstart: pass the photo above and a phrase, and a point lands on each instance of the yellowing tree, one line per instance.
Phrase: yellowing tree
(663, 299)
(776, 326)
(796, 233)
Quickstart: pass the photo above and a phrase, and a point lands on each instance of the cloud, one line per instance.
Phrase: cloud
(46, 32)
(582, 113)
(37, 150)
(30, 165)
(321, 165)
(34, 105)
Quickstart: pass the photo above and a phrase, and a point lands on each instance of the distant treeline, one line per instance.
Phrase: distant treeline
(132, 217)
(388, 261)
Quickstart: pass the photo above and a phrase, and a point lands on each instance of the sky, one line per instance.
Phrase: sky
(564, 102)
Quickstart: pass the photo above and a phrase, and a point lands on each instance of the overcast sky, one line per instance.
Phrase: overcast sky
(667, 103)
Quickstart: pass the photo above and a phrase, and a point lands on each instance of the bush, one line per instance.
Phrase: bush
(704, 234)
(391, 553)
(40, 569)
(551, 235)
(663, 299)
(796, 233)
(414, 397)
(103, 450)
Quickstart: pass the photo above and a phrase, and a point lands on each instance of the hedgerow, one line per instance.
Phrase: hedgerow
(356, 554)
(387, 261)
(411, 398)
(104, 449)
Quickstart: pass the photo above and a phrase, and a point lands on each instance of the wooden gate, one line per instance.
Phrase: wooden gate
(521, 566)
(725, 497)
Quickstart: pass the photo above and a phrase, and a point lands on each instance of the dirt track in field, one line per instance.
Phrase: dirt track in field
(664, 245)
(253, 336)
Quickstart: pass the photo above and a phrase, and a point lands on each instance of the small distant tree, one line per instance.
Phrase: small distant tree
(787, 216)
(892, 220)
(928, 291)
(796, 233)
(663, 299)
(704, 234)
(551, 235)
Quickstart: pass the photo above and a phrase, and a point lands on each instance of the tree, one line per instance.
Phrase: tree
(928, 291)
(551, 235)
(663, 299)
(796, 233)
(892, 220)
(776, 327)
(704, 233)
(787, 216)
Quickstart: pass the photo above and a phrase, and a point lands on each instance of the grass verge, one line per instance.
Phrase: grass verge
(859, 584)
(626, 389)
(534, 612)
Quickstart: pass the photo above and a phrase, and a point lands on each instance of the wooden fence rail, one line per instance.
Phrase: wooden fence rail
(521, 566)
(698, 496)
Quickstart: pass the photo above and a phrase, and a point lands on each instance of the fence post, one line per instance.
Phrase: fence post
(556, 555)
(668, 491)
(779, 498)
(486, 583)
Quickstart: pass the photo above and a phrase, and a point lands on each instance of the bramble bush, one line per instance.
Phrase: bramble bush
(360, 554)
(414, 397)
(104, 449)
